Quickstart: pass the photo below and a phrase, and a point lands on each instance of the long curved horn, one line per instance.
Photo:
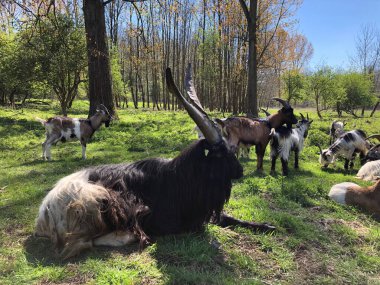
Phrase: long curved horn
(320, 149)
(302, 117)
(283, 102)
(266, 112)
(307, 116)
(207, 127)
(375, 136)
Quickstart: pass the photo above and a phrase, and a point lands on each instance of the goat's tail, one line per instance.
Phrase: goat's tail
(42, 121)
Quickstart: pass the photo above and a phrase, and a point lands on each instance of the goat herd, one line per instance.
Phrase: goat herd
(116, 204)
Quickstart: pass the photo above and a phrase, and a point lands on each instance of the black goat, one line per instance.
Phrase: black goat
(115, 204)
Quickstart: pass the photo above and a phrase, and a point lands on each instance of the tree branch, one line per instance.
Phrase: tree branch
(245, 10)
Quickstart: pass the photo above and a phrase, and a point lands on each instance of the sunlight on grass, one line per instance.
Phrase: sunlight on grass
(316, 241)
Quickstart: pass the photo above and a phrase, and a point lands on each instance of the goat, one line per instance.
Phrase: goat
(336, 130)
(113, 205)
(242, 150)
(66, 129)
(284, 141)
(374, 151)
(369, 171)
(345, 146)
(256, 131)
(367, 198)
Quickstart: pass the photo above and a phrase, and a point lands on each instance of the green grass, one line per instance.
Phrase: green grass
(316, 241)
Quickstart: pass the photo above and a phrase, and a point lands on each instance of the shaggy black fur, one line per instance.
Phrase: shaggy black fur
(159, 196)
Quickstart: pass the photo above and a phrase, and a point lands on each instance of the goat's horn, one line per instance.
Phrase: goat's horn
(283, 102)
(320, 149)
(302, 117)
(190, 89)
(265, 111)
(375, 136)
(307, 116)
(207, 127)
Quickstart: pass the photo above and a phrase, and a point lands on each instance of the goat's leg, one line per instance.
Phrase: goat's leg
(346, 161)
(260, 150)
(74, 247)
(284, 167)
(226, 221)
(83, 150)
(44, 150)
(362, 158)
(273, 165)
(48, 143)
(296, 157)
(117, 238)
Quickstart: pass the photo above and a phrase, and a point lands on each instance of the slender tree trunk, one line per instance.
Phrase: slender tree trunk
(99, 74)
(374, 108)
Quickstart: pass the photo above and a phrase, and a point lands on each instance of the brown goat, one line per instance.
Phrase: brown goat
(367, 198)
(256, 131)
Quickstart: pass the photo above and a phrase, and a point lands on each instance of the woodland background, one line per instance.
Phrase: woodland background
(43, 54)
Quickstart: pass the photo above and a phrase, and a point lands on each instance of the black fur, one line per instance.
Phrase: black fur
(160, 196)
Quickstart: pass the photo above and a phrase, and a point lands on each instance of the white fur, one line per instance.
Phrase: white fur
(338, 192)
(294, 141)
(369, 171)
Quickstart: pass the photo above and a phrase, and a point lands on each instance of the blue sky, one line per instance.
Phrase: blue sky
(332, 26)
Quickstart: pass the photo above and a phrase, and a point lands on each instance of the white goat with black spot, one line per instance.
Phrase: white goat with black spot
(285, 140)
(345, 146)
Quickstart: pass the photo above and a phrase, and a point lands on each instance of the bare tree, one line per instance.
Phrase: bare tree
(367, 55)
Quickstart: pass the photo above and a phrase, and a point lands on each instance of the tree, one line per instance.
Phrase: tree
(368, 54)
(251, 17)
(322, 85)
(263, 20)
(294, 84)
(17, 69)
(60, 50)
(358, 89)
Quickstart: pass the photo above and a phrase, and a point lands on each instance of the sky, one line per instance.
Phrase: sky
(332, 26)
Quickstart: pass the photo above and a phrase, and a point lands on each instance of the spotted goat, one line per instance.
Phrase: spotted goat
(67, 129)
(345, 146)
(285, 140)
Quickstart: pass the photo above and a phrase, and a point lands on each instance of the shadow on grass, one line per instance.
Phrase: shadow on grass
(40, 251)
(183, 259)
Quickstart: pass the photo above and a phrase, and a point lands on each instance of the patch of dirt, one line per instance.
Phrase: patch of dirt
(361, 230)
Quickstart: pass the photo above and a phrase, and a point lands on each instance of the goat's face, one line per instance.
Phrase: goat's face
(223, 157)
(304, 124)
(288, 115)
(373, 153)
(105, 117)
(326, 157)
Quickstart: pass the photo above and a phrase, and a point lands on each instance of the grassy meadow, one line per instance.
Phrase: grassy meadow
(316, 241)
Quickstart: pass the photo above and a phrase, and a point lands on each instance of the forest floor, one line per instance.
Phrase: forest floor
(316, 241)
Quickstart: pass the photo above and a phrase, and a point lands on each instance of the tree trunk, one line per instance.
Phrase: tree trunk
(99, 74)
(252, 61)
(374, 108)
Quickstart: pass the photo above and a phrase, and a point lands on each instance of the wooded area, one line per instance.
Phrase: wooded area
(242, 55)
